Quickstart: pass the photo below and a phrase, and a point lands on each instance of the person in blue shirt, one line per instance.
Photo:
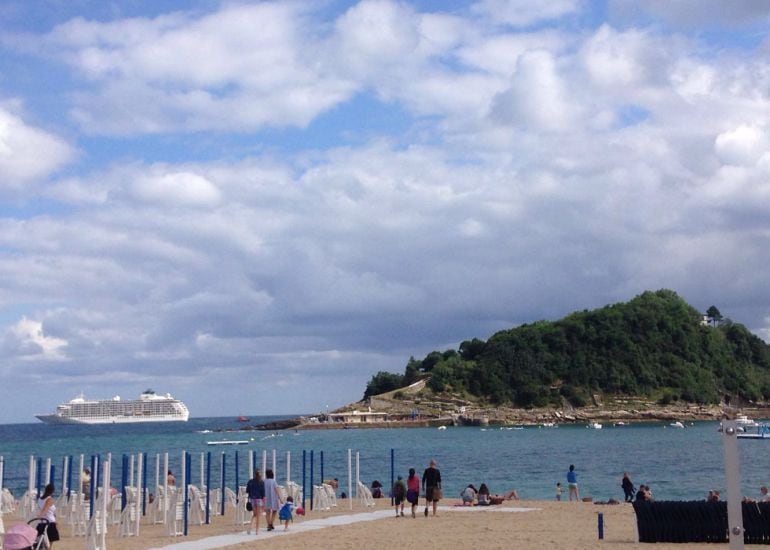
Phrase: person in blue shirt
(255, 491)
(572, 483)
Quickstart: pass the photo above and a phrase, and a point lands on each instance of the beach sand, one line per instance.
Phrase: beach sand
(550, 524)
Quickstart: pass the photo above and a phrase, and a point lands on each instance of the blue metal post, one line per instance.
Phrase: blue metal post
(144, 484)
(304, 485)
(208, 486)
(92, 486)
(311, 479)
(237, 492)
(601, 526)
(392, 476)
(123, 482)
(322, 466)
(69, 476)
(187, 466)
(222, 484)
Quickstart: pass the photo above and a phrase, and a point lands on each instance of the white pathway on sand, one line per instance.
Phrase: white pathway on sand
(221, 541)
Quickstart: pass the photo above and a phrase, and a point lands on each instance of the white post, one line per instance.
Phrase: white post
(350, 478)
(157, 471)
(358, 472)
(165, 489)
(184, 470)
(64, 470)
(274, 468)
(733, 479)
(288, 468)
(139, 493)
(47, 471)
(264, 462)
(131, 472)
(203, 478)
(31, 478)
(105, 496)
(2, 468)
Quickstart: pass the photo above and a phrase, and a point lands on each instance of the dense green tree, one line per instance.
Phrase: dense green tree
(383, 382)
(653, 345)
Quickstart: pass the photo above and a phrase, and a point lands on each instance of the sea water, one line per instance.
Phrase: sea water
(675, 463)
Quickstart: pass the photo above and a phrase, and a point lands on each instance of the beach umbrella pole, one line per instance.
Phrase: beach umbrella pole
(222, 478)
(392, 476)
(139, 493)
(304, 485)
(288, 468)
(733, 479)
(186, 475)
(312, 488)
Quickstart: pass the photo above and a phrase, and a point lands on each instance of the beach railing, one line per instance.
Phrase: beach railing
(699, 521)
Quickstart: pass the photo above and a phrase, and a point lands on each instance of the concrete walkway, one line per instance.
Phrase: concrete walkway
(221, 541)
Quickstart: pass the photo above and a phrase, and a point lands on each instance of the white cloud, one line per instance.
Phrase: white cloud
(28, 153)
(537, 99)
(741, 146)
(182, 188)
(27, 341)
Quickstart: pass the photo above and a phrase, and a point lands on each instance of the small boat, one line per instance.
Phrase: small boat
(743, 420)
(228, 442)
(594, 426)
(758, 431)
(442, 427)
(621, 423)
(677, 424)
(549, 424)
(243, 419)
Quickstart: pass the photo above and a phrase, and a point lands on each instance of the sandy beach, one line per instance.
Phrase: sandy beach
(522, 524)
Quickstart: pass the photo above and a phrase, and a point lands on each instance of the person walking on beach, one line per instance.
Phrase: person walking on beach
(413, 490)
(399, 495)
(431, 482)
(272, 499)
(628, 487)
(572, 483)
(255, 492)
(48, 512)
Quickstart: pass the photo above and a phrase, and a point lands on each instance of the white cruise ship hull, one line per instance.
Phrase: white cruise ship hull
(150, 407)
(57, 419)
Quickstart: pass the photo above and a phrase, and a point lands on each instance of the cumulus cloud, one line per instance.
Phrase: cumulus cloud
(741, 146)
(27, 340)
(521, 13)
(28, 153)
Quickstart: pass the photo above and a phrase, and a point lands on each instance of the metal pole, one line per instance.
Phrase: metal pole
(358, 471)
(222, 484)
(312, 488)
(237, 485)
(140, 467)
(288, 467)
(39, 476)
(304, 486)
(123, 481)
(48, 476)
(208, 486)
(350, 478)
(165, 489)
(186, 475)
(322, 466)
(275, 469)
(92, 488)
(144, 484)
(392, 476)
(601, 526)
(733, 478)
(264, 462)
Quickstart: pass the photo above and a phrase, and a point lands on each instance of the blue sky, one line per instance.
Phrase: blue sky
(266, 203)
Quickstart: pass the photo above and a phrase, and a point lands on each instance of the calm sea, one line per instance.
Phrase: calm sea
(676, 463)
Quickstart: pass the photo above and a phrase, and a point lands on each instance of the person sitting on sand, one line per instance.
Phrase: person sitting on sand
(483, 496)
(376, 489)
(468, 495)
(511, 495)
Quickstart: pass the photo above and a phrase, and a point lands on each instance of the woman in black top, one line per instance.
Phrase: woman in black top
(431, 482)
(628, 487)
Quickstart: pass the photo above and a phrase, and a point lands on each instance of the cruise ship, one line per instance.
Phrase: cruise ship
(150, 407)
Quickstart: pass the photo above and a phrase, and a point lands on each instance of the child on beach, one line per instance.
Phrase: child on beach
(558, 490)
(284, 514)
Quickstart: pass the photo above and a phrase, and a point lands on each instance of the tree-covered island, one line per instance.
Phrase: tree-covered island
(655, 349)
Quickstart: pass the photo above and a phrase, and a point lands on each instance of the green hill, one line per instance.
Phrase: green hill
(655, 345)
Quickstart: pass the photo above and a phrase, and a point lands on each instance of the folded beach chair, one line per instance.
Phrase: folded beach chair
(331, 494)
(128, 526)
(364, 494)
(320, 500)
(8, 504)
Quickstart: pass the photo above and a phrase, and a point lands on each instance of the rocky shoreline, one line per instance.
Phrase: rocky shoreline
(503, 416)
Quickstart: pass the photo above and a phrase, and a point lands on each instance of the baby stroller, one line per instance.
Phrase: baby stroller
(23, 536)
